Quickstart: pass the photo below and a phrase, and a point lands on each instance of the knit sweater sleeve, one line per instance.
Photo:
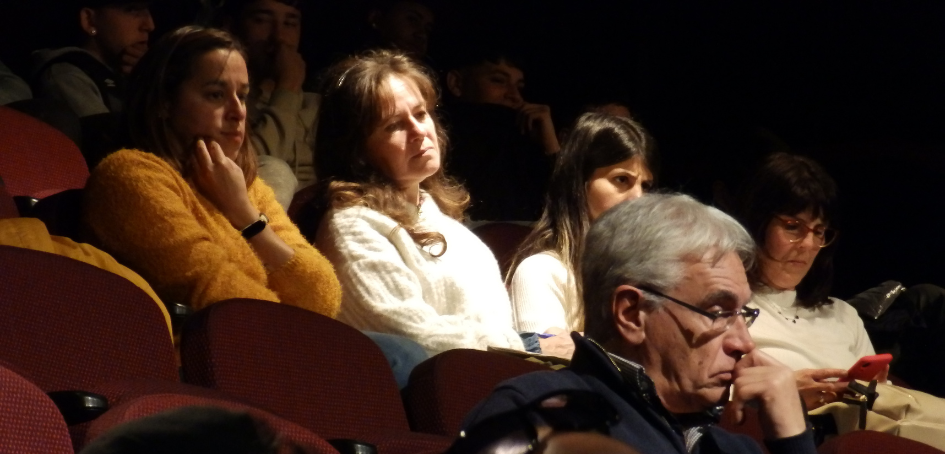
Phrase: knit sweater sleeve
(308, 279)
(140, 209)
(538, 292)
(382, 293)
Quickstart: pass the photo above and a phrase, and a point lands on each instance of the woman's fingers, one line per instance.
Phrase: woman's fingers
(203, 155)
(216, 153)
(823, 374)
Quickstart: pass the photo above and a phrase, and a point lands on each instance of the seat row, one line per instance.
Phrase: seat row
(72, 326)
(69, 326)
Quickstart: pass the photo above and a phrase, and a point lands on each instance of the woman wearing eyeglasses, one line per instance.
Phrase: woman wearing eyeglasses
(790, 209)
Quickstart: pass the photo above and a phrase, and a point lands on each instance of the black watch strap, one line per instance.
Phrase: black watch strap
(253, 229)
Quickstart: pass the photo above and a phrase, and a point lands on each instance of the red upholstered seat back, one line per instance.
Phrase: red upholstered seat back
(444, 388)
(36, 159)
(303, 366)
(503, 239)
(69, 325)
(29, 421)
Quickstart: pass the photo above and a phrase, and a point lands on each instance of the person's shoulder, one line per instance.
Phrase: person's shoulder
(134, 168)
(545, 259)
(525, 389)
(64, 63)
(841, 308)
(352, 219)
(131, 160)
(543, 382)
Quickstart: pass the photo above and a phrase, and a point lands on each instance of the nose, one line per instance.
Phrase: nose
(635, 192)
(418, 129)
(513, 94)
(809, 241)
(147, 25)
(236, 109)
(738, 340)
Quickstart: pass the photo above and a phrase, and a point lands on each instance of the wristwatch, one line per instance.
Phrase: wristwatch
(253, 229)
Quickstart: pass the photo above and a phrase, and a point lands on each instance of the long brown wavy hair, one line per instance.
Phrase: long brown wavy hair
(153, 88)
(355, 93)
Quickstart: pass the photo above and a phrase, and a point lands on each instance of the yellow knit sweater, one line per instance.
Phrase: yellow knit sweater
(144, 213)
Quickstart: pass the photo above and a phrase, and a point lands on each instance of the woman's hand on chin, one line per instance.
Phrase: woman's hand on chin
(222, 182)
(817, 388)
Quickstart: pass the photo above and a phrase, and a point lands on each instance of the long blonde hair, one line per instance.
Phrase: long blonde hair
(354, 95)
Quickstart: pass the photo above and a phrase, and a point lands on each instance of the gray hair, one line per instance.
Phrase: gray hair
(646, 242)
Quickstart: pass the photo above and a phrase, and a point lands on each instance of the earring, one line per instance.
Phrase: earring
(93, 31)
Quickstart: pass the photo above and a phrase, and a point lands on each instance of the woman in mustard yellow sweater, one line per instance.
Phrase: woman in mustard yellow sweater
(184, 207)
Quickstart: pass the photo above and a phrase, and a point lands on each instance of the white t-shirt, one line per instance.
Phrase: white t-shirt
(542, 291)
(828, 337)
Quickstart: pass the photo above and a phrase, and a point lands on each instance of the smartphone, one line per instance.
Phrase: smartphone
(868, 366)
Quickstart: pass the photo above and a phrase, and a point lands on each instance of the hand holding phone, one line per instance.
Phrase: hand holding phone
(868, 366)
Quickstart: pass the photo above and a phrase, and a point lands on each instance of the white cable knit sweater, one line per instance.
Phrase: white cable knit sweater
(391, 285)
(826, 337)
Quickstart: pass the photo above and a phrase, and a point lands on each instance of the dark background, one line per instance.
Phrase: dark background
(856, 85)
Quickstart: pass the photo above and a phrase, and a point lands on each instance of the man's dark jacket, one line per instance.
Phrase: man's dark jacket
(644, 423)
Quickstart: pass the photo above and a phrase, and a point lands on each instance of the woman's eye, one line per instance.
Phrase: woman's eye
(215, 95)
(647, 185)
(261, 19)
(421, 115)
(622, 179)
(791, 226)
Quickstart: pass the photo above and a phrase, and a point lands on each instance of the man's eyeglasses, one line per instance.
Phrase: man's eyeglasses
(721, 320)
(796, 230)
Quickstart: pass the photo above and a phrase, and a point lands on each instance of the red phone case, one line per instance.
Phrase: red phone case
(868, 366)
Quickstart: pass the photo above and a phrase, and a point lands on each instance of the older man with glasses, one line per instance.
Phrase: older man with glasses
(664, 287)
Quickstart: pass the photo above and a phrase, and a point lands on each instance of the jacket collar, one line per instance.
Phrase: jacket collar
(629, 380)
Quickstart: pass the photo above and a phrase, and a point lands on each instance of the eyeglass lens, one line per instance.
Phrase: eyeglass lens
(797, 231)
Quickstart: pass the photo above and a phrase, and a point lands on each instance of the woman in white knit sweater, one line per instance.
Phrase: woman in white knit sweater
(606, 160)
(390, 216)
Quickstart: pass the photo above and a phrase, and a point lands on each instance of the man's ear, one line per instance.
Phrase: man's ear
(454, 83)
(87, 20)
(628, 307)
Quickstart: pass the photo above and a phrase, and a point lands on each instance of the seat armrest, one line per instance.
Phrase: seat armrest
(24, 204)
(348, 446)
(78, 407)
(179, 313)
